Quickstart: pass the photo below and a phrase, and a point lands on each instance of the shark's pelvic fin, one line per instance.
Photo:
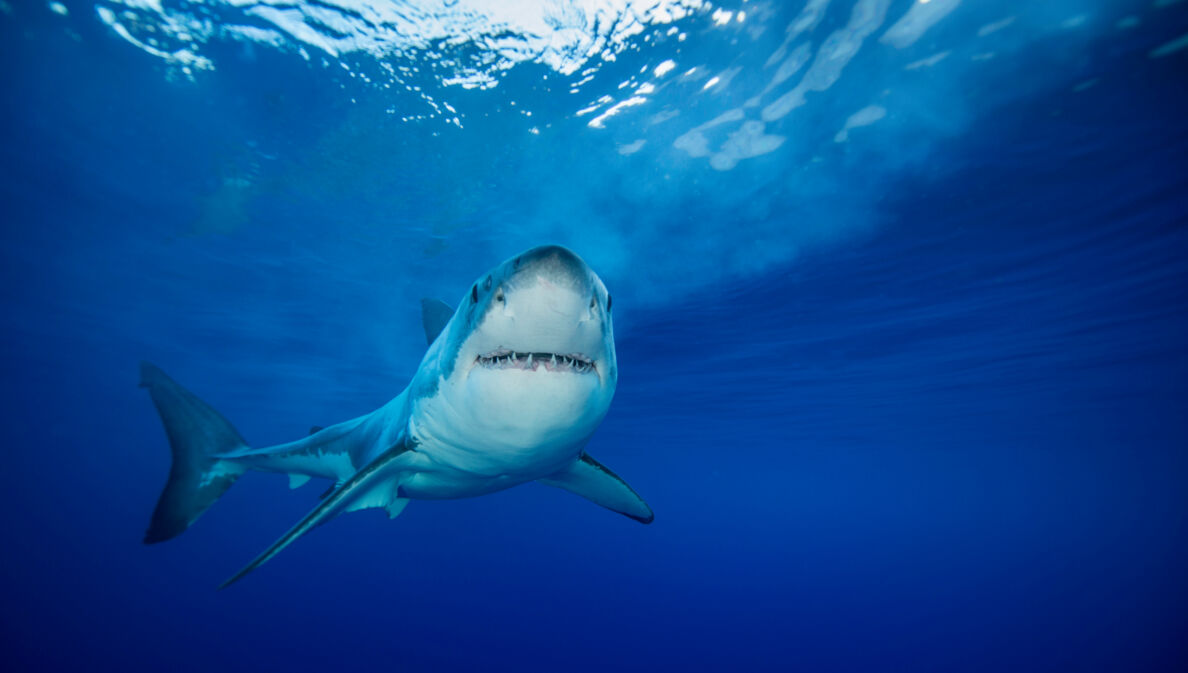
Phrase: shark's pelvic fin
(196, 433)
(298, 480)
(434, 316)
(593, 481)
(341, 500)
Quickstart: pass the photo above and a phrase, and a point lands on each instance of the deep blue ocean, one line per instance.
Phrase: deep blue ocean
(901, 307)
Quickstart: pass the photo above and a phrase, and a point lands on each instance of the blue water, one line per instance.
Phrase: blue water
(911, 399)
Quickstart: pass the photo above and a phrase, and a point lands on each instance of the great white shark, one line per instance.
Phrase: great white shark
(514, 383)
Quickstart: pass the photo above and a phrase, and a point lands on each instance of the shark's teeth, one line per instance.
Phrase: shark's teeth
(556, 362)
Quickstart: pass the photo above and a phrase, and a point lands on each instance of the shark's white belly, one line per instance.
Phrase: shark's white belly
(507, 434)
(446, 470)
(448, 483)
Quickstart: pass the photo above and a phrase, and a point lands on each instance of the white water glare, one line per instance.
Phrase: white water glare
(475, 39)
(639, 127)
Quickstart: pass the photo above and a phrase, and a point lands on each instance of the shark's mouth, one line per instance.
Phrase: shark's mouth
(554, 362)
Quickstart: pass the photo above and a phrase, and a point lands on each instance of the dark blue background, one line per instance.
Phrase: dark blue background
(957, 441)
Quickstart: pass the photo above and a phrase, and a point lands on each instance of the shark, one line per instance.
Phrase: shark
(514, 383)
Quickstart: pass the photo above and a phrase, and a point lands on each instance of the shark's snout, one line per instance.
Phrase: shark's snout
(549, 289)
(554, 265)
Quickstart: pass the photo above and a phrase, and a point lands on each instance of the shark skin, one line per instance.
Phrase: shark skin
(514, 383)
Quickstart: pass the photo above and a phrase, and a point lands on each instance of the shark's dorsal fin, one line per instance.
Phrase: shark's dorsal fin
(434, 316)
(316, 429)
(593, 481)
(327, 509)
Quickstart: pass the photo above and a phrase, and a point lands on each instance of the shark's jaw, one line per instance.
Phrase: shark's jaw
(574, 363)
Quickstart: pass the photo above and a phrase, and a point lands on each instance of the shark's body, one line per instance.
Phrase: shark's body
(513, 385)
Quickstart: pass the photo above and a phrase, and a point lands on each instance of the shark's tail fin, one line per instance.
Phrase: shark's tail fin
(197, 433)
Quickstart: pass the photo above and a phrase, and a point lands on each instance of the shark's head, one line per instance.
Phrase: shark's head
(530, 353)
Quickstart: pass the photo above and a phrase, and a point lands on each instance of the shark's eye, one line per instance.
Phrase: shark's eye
(499, 295)
(487, 283)
(608, 303)
(474, 293)
(593, 302)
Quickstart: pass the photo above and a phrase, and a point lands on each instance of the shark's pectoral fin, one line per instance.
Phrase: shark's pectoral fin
(381, 496)
(435, 314)
(593, 481)
(362, 487)
(384, 499)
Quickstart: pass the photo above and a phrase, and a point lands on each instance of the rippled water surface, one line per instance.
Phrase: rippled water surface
(900, 292)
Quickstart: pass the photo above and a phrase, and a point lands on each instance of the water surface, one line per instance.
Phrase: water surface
(899, 292)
